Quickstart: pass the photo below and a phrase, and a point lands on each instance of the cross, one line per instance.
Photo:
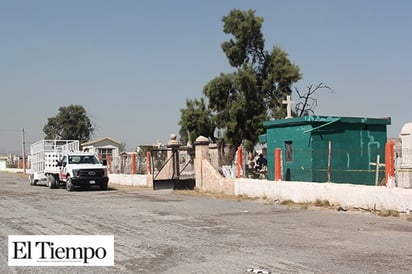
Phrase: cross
(377, 164)
(288, 102)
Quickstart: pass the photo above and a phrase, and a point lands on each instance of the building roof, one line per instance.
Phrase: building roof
(93, 142)
(326, 120)
(321, 121)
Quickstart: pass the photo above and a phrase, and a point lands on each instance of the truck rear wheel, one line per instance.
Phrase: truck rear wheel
(69, 184)
(51, 181)
(31, 180)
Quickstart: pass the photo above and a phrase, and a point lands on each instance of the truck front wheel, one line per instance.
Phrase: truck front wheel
(51, 181)
(69, 184)
(103, 186)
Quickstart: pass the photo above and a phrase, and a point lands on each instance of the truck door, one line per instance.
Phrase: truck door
(63, 169)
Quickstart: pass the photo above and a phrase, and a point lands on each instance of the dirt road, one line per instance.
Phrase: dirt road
(167, 232)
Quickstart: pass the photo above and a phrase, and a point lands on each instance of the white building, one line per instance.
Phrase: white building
(103, 148)
(3, 163)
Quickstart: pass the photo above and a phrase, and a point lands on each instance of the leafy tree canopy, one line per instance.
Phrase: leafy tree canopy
(70, 123)
(239, 102)
(195, 120)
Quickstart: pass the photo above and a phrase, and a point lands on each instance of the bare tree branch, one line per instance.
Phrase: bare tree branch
(307, 103)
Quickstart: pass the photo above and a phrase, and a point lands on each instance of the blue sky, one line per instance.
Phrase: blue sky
(132, 64)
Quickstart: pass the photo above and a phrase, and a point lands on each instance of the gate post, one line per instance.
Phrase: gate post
(201, 153)
(174, 145)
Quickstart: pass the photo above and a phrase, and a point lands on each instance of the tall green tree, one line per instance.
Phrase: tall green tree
(70, 123)
(196, 120)
(241, 100)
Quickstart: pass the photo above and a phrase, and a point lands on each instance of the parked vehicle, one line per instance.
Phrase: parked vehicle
(60, 162)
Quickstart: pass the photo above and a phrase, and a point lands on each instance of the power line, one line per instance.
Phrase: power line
(10, 130)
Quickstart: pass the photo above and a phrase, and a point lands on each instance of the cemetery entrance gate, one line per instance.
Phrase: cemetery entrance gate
(173, 168)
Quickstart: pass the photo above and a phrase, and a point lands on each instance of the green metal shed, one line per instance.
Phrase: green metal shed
(304, 141)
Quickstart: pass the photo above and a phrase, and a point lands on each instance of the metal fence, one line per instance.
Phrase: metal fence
(130, 163)
(151, 161)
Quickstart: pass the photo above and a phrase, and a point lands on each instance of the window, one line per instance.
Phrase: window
(104, 153)
(82, 159)
(64, 162)
(288, 151)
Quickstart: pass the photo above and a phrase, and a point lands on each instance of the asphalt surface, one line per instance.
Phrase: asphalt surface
(171, 232)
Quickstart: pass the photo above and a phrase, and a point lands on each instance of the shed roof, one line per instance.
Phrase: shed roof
(326, 119)
(93, 142)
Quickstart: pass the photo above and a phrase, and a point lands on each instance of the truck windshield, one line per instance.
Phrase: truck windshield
(82, 159)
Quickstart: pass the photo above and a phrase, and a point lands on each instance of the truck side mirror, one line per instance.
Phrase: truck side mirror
(104, 162)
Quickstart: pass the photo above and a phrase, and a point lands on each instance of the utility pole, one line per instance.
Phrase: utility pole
(23, 148)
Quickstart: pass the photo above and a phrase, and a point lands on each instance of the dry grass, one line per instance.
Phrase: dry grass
(388, 213)
(127, 188)
(322, 203)
(291, 203)
(196, 192)
(317, 203)
(288, 203)
(326, 204)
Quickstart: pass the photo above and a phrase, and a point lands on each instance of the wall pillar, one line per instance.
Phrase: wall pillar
(109, 164)
(214, 155)
(133, 155)
(390, 164)
(148, 157)
(239, 161)
(201, 153)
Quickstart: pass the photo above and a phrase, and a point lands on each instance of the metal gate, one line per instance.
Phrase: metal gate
(173, 168)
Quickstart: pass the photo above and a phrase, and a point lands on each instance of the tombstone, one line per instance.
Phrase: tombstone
(404, 172)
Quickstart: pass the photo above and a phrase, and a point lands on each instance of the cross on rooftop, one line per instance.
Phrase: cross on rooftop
(288, 102)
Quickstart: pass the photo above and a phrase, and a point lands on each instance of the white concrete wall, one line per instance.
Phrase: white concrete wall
(17, 170)
(3, 165)
(130, 180)
(347, 195)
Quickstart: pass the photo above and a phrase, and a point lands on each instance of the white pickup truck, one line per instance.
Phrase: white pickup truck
(59, 162)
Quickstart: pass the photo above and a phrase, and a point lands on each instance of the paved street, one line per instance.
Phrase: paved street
(168, 232)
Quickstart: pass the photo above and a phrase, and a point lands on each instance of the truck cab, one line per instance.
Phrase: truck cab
(82, 169)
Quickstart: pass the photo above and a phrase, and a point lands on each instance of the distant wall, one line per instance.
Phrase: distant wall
(213, 181)
(347, 195)
(131, 180)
